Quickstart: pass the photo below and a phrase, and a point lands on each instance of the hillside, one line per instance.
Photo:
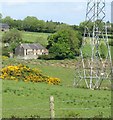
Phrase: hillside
(35, 37)
(30, 37)
(29, 99)
(32, 100)
(22, 99)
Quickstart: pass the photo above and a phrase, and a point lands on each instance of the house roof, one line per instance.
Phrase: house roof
(32, 46)
(4, 25)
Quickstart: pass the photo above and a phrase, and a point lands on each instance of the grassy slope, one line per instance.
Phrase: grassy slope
(26, 99)
(35, 36)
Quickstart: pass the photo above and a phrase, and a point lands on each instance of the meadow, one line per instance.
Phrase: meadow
(32, 99)
(30, 37)
(29, 99)
(35, 37)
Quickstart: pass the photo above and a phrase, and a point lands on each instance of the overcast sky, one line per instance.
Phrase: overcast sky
(67, 12)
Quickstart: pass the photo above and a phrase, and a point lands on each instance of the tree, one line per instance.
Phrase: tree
(9, 21)
(19, 24)
(0, 17)
(64, 44)
(29, 23)
(90, 25)
(13, 38)
(50, 27)
(33, 24)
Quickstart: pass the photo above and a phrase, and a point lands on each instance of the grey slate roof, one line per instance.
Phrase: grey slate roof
(4, 25)
(32, 46)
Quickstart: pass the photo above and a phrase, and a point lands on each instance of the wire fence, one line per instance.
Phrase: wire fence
(57, 108)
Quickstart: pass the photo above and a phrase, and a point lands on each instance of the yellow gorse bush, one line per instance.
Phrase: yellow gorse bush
(26, 74)
(4, 57)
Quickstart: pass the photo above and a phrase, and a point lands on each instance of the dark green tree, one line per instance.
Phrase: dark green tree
(9, 21)
(12, 38)
(30, 23)
(0, 17)
(33, 24)
(64, 44)
(50, 27)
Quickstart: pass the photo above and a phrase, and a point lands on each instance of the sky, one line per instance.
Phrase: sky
(72, 12)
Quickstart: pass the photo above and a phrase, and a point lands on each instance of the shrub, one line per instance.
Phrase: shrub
(111, 42)
(47, 57)
(103, 50)
(26, 74)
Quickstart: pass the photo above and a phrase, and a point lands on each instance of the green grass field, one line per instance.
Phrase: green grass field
(22, 99)
(30, 37)
(35, 37)
(32, 99)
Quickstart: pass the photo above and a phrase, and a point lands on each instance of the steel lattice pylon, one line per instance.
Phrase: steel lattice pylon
(94, 67)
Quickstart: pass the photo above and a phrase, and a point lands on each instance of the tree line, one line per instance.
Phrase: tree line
(33, 24)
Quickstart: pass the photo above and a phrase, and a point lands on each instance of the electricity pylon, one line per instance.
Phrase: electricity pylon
(94, 66)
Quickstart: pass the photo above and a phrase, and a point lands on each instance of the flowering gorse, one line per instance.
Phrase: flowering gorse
(4, 57)
(26, 74)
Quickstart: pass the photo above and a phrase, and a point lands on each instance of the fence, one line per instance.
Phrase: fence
(54, 110)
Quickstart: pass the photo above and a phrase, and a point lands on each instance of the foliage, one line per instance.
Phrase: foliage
(111, 42)
(9, 21)
(47, 57)
(4, 57)
(13, 38)
(26, 74)
(33, 24)
(5, 51)
(64, 44)
(87, 51)
(0, 17)
(89, 25)
(103, 50)
(48, 67)
(84, 24)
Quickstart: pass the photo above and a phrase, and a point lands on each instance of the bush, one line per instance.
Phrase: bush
(13, 38)
(26, 74)
(103, 50)
(47, 57)
(5, 51)
(111, 42)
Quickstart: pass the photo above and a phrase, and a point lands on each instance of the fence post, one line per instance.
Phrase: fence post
(52, 112)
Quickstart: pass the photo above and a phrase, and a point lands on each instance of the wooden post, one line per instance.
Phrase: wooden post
(52, 112)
